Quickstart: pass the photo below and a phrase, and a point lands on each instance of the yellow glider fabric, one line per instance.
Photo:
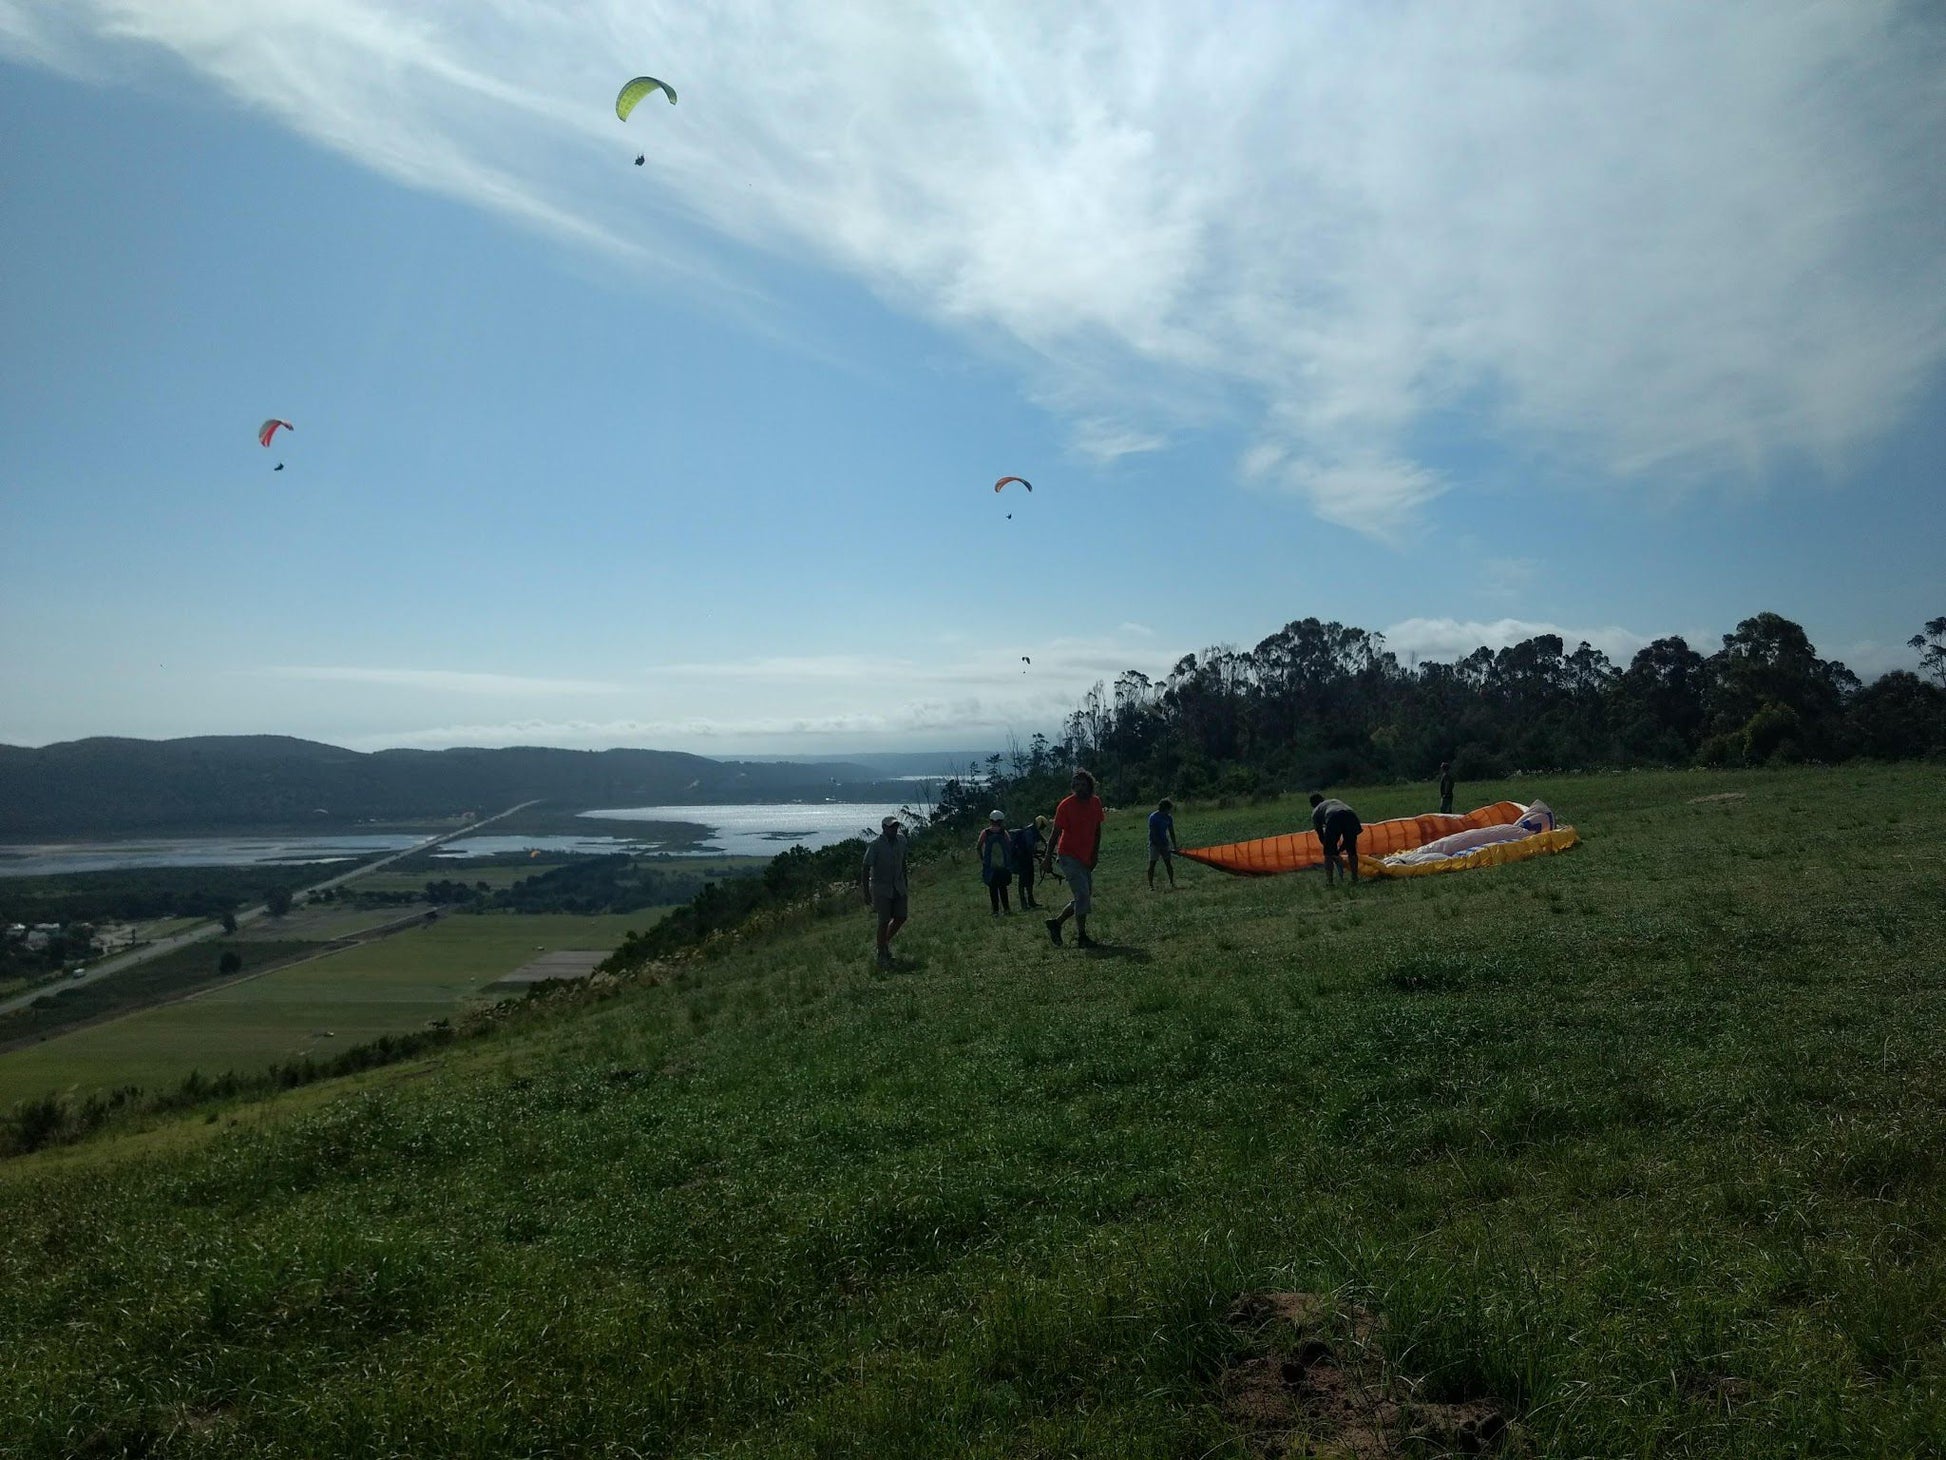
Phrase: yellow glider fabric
(1540, 844)
(1294, 851)
(640, 87)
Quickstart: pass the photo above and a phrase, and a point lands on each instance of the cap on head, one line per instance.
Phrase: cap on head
(888, 821)
(995, 816)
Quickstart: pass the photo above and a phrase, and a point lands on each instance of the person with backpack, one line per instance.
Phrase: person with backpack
(996, 862)
(1025, 844)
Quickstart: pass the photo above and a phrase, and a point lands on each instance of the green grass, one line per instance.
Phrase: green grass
(390, 986)
(1640, 1143)
(415, 878)
(168, 975)
(322, 922)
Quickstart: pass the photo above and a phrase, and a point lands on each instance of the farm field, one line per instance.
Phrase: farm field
(321, 923)
(1633, 1150)
(390, 986)
(414, 875)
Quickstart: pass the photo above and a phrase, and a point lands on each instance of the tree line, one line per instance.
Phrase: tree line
(1319, 704)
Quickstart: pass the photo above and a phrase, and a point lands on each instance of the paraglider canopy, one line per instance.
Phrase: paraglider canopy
(640, 87)
(1004, 480)
(269, 429)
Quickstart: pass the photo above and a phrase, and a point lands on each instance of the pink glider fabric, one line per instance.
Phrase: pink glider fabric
(269, 429)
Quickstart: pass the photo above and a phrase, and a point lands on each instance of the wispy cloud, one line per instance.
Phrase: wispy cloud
(1631, 239)
(1446, 639)
(961, 695)
(443, 681)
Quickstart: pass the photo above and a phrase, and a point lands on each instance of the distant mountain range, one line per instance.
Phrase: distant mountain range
(110, 786)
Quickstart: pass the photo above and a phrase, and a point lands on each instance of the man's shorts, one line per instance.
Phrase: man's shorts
(1081, 884)
(892, 905)
(1341, 830)
(1159, 850)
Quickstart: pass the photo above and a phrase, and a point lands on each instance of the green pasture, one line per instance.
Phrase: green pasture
(388, 986)
(322, 922)
(1637, 1147)
(414, 878)
(154, 930)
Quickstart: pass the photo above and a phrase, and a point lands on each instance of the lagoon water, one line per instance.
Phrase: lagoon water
(746, 831)
(461, 848)
(767, 829)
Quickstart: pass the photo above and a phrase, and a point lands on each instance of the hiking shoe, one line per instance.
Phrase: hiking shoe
(885, 958)
(1084, 941)
(1054, 930)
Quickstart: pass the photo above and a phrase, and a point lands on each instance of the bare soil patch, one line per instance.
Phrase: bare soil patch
(1719, 796)
(1318, 1386)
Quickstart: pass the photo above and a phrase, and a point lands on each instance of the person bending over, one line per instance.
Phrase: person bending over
(1337, 826)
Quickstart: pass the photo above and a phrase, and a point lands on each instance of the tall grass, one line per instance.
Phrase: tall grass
(1640, 1144)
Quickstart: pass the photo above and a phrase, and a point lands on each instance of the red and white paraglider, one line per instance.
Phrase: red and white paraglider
(269, 429)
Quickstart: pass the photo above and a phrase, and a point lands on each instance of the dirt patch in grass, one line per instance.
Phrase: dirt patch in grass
(1317, 1385)
(1719, 796)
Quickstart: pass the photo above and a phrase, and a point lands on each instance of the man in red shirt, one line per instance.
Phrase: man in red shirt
(1076, 845)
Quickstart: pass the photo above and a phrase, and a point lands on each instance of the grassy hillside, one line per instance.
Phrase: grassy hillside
(1636, 1148)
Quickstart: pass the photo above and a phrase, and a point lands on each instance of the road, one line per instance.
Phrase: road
(109, 967)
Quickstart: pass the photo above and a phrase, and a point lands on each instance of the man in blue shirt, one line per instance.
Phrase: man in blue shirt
(1162, 841)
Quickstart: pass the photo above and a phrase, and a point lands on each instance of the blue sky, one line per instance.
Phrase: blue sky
(1458, 322)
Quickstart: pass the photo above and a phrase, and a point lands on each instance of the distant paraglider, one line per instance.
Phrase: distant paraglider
(269, 429)
(1004, 480)
(278, 467)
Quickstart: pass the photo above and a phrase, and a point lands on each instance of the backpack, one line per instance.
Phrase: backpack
(1022, 842)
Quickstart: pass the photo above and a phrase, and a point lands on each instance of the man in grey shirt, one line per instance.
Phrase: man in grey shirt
(883, 884)
(1338, 827)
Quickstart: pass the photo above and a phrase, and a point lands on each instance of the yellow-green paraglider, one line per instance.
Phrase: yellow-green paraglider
(640, 87)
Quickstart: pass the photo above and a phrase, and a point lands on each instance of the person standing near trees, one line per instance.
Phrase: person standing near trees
(996, 861)
(883, 883)
(1162, 841)
(1077, 847)
(1446, 787)
(1337, 826)
(1025, 845)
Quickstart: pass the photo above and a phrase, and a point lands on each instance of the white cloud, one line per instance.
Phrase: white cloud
(444, 681)
(1629, 239)
(1446, 639)
(962, 695)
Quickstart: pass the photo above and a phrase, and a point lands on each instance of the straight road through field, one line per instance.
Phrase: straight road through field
(109, 967)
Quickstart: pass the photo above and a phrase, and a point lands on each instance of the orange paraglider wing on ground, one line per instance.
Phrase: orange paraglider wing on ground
(1294, 851)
